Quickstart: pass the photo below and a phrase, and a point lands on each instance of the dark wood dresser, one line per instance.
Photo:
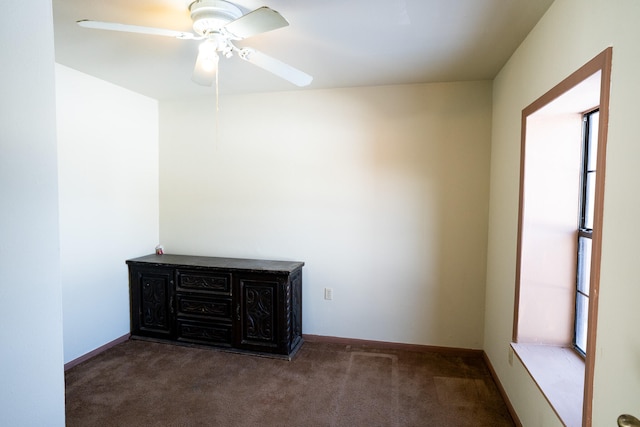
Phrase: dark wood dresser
(242, 305)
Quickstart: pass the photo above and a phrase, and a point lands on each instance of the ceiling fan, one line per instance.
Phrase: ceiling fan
(219, 24)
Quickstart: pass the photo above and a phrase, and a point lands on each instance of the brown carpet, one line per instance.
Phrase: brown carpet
(140, 383)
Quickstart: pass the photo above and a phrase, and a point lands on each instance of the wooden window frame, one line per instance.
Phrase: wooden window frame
(601, 63)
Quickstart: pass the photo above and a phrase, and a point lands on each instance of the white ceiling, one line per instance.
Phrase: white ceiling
(341, 43)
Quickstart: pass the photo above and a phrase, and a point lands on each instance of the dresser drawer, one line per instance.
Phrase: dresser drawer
(207, 333)
(204, 282)
(196, 305)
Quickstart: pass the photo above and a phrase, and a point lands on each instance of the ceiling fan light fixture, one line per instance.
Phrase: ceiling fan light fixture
(210, 15)
(208, 56)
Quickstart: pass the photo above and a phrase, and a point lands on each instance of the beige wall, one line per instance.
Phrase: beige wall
(571, 33)
(381, 191)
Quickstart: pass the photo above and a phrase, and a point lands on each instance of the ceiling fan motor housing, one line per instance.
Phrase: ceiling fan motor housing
(210, 15)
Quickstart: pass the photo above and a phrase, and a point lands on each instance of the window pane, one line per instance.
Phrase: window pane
(582, 317)
(584, 265)
(589, 202)
(593, 141)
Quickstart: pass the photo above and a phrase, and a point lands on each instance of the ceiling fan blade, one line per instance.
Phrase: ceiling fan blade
(279, 68)
(204, 72)
(113, 26)
(258, 21)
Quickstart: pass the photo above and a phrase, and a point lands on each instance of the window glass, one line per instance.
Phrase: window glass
(584, 265)
(593, 140)
(589, 202)
(582, 313)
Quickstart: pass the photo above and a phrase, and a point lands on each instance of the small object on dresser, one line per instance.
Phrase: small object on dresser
(159, 250)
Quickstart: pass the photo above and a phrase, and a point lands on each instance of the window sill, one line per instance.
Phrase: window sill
(559, 374)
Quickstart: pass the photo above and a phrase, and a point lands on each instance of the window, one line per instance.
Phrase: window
(585, 228)
(559, 238)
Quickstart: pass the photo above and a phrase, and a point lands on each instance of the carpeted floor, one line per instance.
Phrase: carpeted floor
(140, 383)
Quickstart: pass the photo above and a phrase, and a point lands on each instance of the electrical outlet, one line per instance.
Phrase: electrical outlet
(328, 293)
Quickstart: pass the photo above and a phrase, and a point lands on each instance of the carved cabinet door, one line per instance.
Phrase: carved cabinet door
(259, 300)
(152, 302)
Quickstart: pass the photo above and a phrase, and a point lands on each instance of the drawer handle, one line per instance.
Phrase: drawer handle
(238, 311)
(171, 304)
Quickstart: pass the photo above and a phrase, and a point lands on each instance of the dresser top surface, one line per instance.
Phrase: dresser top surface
(220, 263)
